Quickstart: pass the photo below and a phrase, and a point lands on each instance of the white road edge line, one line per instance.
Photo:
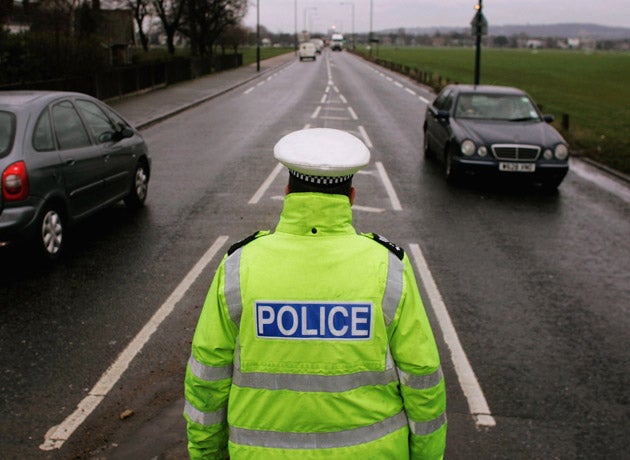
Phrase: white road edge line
(466, 375)
(366, 138)
(265, 185)
(59, 434)
(389, 187)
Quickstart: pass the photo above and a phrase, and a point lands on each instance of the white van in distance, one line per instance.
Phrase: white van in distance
(307, 51)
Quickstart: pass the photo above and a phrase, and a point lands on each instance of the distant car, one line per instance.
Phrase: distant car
(494, 129)
(307, 51)
(336, 42)
(319, 45)
(63, 156)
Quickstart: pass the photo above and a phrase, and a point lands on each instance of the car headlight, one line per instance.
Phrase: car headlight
(548, 154)
(561, 152)
(468, 148)
(482, 151)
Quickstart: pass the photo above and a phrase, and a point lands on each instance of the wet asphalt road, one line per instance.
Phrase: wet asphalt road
(537, 285)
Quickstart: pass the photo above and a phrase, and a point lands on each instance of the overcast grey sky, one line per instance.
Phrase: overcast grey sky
(322, 15)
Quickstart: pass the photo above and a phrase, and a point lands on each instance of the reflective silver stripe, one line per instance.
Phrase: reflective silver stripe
(281, 440)
(421, 382)
(204, 418)
(425, 428)
(209, 373)
(393, 289)
(313, 383)
(233, 286)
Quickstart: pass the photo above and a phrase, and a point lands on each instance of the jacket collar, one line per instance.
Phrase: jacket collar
(316, 214)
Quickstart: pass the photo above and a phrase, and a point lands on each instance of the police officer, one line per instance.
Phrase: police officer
(313, 342)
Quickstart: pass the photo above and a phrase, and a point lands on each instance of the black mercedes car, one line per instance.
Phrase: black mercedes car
(497, 130)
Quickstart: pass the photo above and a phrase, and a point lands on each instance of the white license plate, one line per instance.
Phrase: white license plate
(517, 167)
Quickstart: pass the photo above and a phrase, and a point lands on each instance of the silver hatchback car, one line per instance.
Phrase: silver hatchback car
(63, 156)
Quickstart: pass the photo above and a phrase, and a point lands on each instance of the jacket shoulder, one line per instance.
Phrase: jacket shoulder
(392, 247)
(245, 241)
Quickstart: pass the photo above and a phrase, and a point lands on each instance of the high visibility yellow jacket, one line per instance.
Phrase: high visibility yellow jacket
(313, 343)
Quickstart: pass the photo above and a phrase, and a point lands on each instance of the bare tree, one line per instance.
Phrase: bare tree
(233, 37)
(205, 20)
(141, 9)
(170, 13)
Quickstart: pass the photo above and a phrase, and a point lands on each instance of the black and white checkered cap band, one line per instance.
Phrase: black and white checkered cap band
(320, 180)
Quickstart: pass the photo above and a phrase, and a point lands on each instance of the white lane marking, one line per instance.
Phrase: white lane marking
(397, 83)
(357, 207)
(327, 90)
(366, 139)
(249, 90)
(59, 434)
(336, 89)
(423, 99)
(353, 113)
(329, 117)
(410, 91)
(323, 99)
(477, 403)
(388, 187)
(343, 99)
(316, 112)
(265, 185)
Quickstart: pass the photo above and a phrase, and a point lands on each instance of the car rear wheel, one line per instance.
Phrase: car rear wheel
(139, 187)
(50, 239)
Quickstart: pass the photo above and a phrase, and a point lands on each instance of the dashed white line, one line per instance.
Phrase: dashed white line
(410, 91)
(58, 435)
(323, 99)
(477, 403)
(388, 187)
(316, 112)
(265, 185)
(366, 138)
(343, 99)
(423, 99)
(352, 113)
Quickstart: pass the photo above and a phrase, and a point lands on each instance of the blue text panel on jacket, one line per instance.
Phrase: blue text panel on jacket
(314, 320)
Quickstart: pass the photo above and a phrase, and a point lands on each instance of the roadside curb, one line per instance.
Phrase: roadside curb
(613, 172)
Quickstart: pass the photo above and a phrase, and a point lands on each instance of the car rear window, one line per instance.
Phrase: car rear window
(7, 132)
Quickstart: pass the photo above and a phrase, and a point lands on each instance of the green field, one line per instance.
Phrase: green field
(591, 88)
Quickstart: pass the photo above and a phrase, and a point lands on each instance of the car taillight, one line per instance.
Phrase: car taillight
(15, 182)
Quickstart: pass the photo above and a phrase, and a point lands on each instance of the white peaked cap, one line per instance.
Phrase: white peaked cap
(322, 153)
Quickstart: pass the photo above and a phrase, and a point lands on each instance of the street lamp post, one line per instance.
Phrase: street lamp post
(257, 35)
(479, 28)
(352, 5)
(295, 42)
(313, 8)
(370, 37)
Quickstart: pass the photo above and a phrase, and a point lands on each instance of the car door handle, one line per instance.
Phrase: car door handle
(70, 161)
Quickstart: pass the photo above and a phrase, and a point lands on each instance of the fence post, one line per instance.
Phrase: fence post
(565, 121)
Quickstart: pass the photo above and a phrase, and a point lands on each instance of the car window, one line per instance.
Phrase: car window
(7, 132)
(101, 126)
(116, 118)
(444, 100)
(43, 139)
(504, 107)
(69, 129)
